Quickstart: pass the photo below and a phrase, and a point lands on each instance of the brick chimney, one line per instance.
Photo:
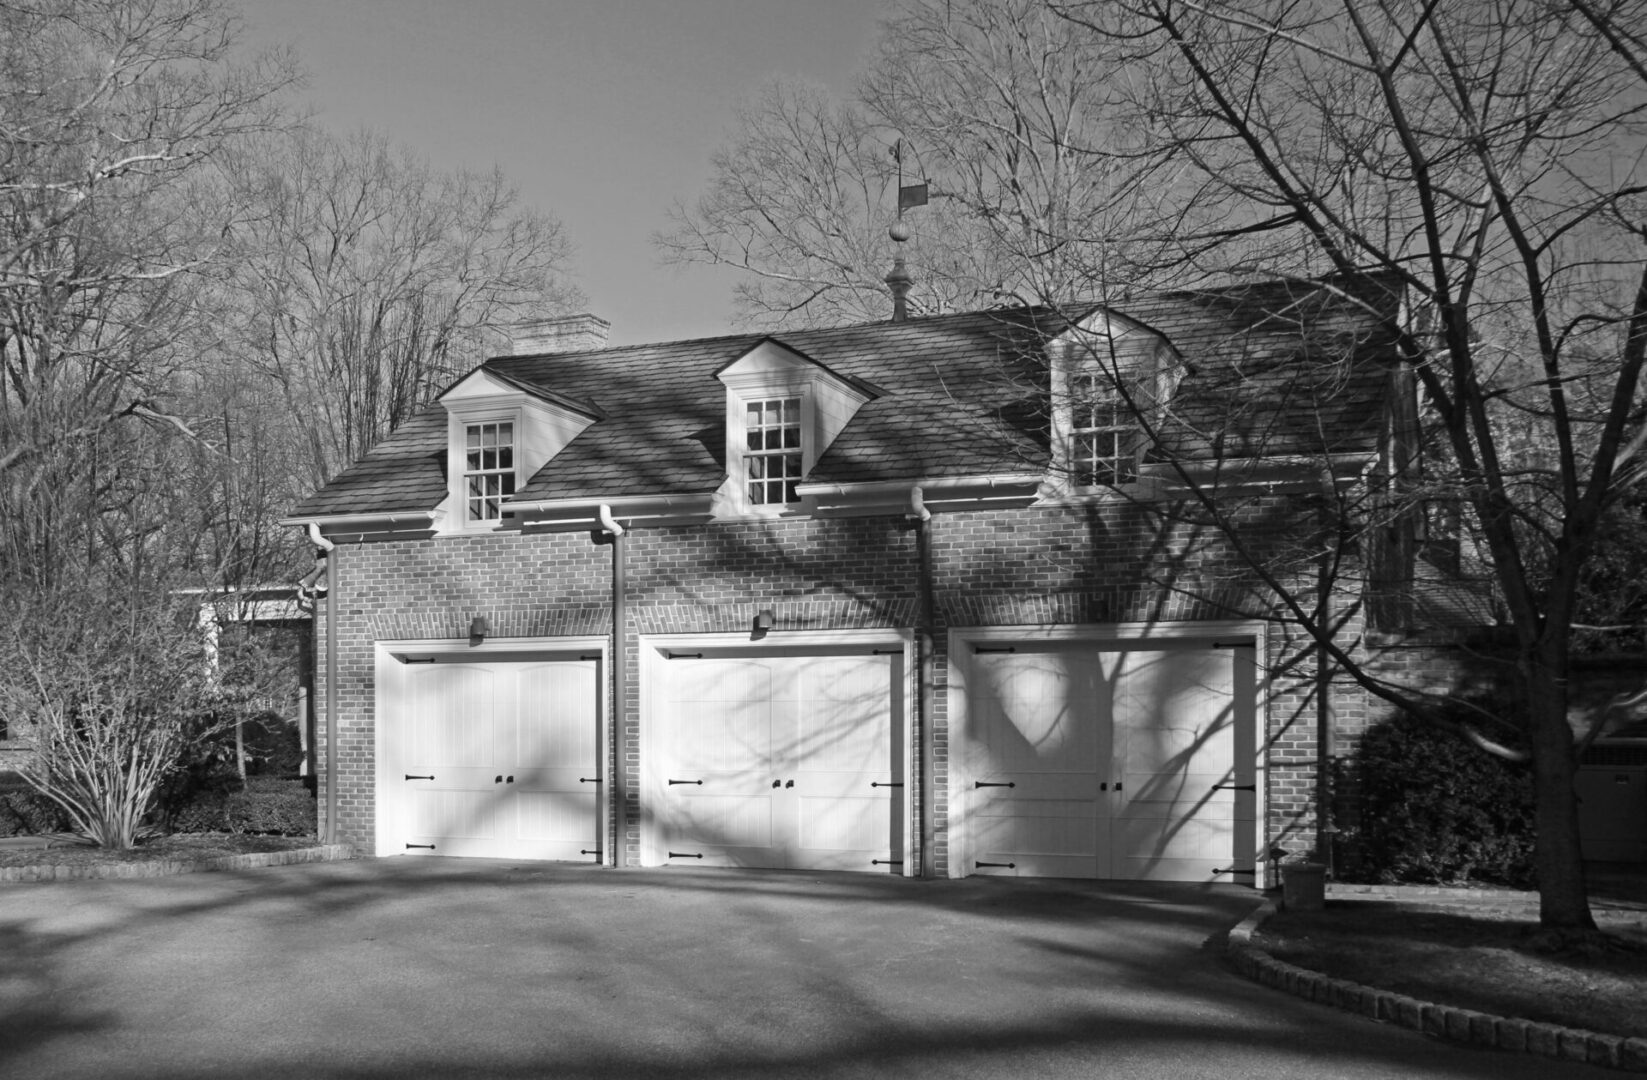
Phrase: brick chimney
(558, 334)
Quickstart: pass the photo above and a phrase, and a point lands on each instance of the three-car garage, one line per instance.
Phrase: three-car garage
(1097, 752)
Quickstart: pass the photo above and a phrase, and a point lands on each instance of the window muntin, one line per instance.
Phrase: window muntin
(772, 458)
(1102, 448)
(488, 468)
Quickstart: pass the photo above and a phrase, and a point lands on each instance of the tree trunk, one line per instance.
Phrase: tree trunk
(1563, 900)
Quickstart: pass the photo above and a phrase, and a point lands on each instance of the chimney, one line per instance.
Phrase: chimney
(559, 334)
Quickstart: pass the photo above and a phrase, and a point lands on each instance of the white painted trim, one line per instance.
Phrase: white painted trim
(387, 690)
(962, 639)
(777, 642)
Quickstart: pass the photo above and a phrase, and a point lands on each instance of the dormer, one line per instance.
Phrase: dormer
(1111, 381)
(499, 431)
(783, 409)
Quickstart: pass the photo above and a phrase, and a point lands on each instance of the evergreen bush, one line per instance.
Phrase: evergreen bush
(1431, 808)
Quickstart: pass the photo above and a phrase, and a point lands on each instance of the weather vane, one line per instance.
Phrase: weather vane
(909, 196)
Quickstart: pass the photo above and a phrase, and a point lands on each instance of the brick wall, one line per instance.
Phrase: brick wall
(1006, 567)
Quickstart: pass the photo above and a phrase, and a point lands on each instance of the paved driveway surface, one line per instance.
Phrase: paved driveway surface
(471, 968)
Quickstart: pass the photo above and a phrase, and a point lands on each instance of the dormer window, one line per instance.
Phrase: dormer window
(489, 469)
(773, 462)
(1102, 433)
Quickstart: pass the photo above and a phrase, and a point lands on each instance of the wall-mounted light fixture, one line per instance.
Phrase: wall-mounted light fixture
(478, 629)
(765, 620)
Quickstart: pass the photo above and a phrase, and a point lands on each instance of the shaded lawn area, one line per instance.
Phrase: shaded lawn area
(1489, 960)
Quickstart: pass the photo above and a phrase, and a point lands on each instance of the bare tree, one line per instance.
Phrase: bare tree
(997, 106)
(1485, 161)
(115, 116)
(367, 281)
(1473, 170)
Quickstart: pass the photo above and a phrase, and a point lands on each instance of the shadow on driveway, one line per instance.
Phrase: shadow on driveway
(469, 968)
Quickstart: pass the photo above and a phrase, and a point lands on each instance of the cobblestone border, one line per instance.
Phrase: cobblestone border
(166, 867)
(1441, 1021)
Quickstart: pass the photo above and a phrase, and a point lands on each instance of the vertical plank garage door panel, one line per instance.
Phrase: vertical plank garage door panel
(1111, 760)
(779, 761)
(845, 806)
(1037, 733)
(508, 745)
(719, 761)
(555, 796)
(1175, 745)
(455, 738)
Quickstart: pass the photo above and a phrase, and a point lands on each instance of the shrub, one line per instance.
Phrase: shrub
(272, 805)
(29, 813)
(1434, 809)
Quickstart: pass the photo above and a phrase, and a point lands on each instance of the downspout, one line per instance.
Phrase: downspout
(1325, 748)
(333, 576)
(924, 660)
(620, 786)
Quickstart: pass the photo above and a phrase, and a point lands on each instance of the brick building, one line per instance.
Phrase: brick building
(933, 596)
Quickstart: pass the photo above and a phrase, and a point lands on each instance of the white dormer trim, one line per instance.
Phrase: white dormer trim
(772, 370)
(1110, 347)
(541, 430)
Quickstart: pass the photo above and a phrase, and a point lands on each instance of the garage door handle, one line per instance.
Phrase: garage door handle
(588, 779)
(1235, 787)
(409, 776)
(995, 783)
(895, 783)
(672, 783)
(498, 779)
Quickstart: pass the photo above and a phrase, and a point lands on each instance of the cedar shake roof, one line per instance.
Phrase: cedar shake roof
(1298, 369)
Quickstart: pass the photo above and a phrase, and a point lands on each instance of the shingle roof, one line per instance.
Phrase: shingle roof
(959, 395)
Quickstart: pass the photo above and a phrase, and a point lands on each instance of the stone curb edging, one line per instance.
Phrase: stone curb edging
(166, 867)
(1441, 1021)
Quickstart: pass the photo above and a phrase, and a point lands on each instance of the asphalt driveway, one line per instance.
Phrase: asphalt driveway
(470, 968)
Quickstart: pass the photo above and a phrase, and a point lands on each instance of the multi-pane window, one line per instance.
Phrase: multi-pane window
(1101, 444)
(772, 462)
(489, 468)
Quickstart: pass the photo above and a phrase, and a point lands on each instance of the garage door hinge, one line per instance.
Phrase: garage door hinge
(425, 847)
(685, 855)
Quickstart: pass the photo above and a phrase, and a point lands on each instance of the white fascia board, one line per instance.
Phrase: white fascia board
(356, 522)
(938, 493)
(585, 513)
(1293, 471)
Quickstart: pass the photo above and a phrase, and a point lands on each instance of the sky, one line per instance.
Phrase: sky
(603, 112)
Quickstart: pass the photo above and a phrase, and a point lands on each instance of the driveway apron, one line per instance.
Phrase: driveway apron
(479, 968)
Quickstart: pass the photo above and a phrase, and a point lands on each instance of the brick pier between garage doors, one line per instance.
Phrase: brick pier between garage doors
(902, 598)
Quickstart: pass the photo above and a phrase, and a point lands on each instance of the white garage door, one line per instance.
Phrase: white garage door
(494, 759)
(780, 761)
(1133, 761)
